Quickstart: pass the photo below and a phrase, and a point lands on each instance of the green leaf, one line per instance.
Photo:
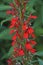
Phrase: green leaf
(5, 7)
(18, 58)
(6, 34)
(4, 15)
(10, 51)
(31, 3)
(39, 46)
(38, 31)
(41, 14)
(8, 54)
(39, 21)
(7, 1)
(29, 11)
(7, 19)
(39, 53)
(40, 61)
(29, 7)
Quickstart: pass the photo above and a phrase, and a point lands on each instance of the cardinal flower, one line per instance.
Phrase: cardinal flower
(21, 52)
(30, 30)
(33, 42)
(8, 12)
(25, 35)
(33, 17)
(24, 27)
(14, 37)
(28, 46)
(9, 61)
(13, 43)
(12, 31)
(33, 35)
(33, 51)
(13, 22)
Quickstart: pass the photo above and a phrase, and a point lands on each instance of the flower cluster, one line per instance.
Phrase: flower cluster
(21, 31)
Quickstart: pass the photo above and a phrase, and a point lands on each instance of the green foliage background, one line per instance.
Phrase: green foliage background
(36, 8)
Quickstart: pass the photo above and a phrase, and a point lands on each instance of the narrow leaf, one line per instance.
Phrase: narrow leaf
(39, 53)
(40, 61)
(7, 19)
(5, 7)
(8, 54)
(6, 34)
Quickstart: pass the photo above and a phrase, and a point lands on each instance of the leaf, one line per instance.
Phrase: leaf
(7, 1)
(29, 11)
(39, 53)
(6, 34)
(7, 19)
(8, 54)
(41, 14)
(31, 3)
(39, 46)
(18, 58)
(39, 21)
(29, 7)
(4, 15)
(5, 7)
(40, 61)
(10, 51)
(38, 31)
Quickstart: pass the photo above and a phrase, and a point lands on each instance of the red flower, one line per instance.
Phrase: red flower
(33, 17)
(32, 50)
(12, 31)
(11, 4)
(15, 49)
(13, 22)
(12, 12)
(8, 12)
(14, 37)
(30, 30)
(16, 25)
(33, 35)
(11, 26)
(28, 46)
(25, 35)
(33, 42)
(9, 61)
(13, 43)
(24, 27)
(21, 52)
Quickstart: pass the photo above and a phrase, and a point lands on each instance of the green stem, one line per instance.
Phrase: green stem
(30, 58)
